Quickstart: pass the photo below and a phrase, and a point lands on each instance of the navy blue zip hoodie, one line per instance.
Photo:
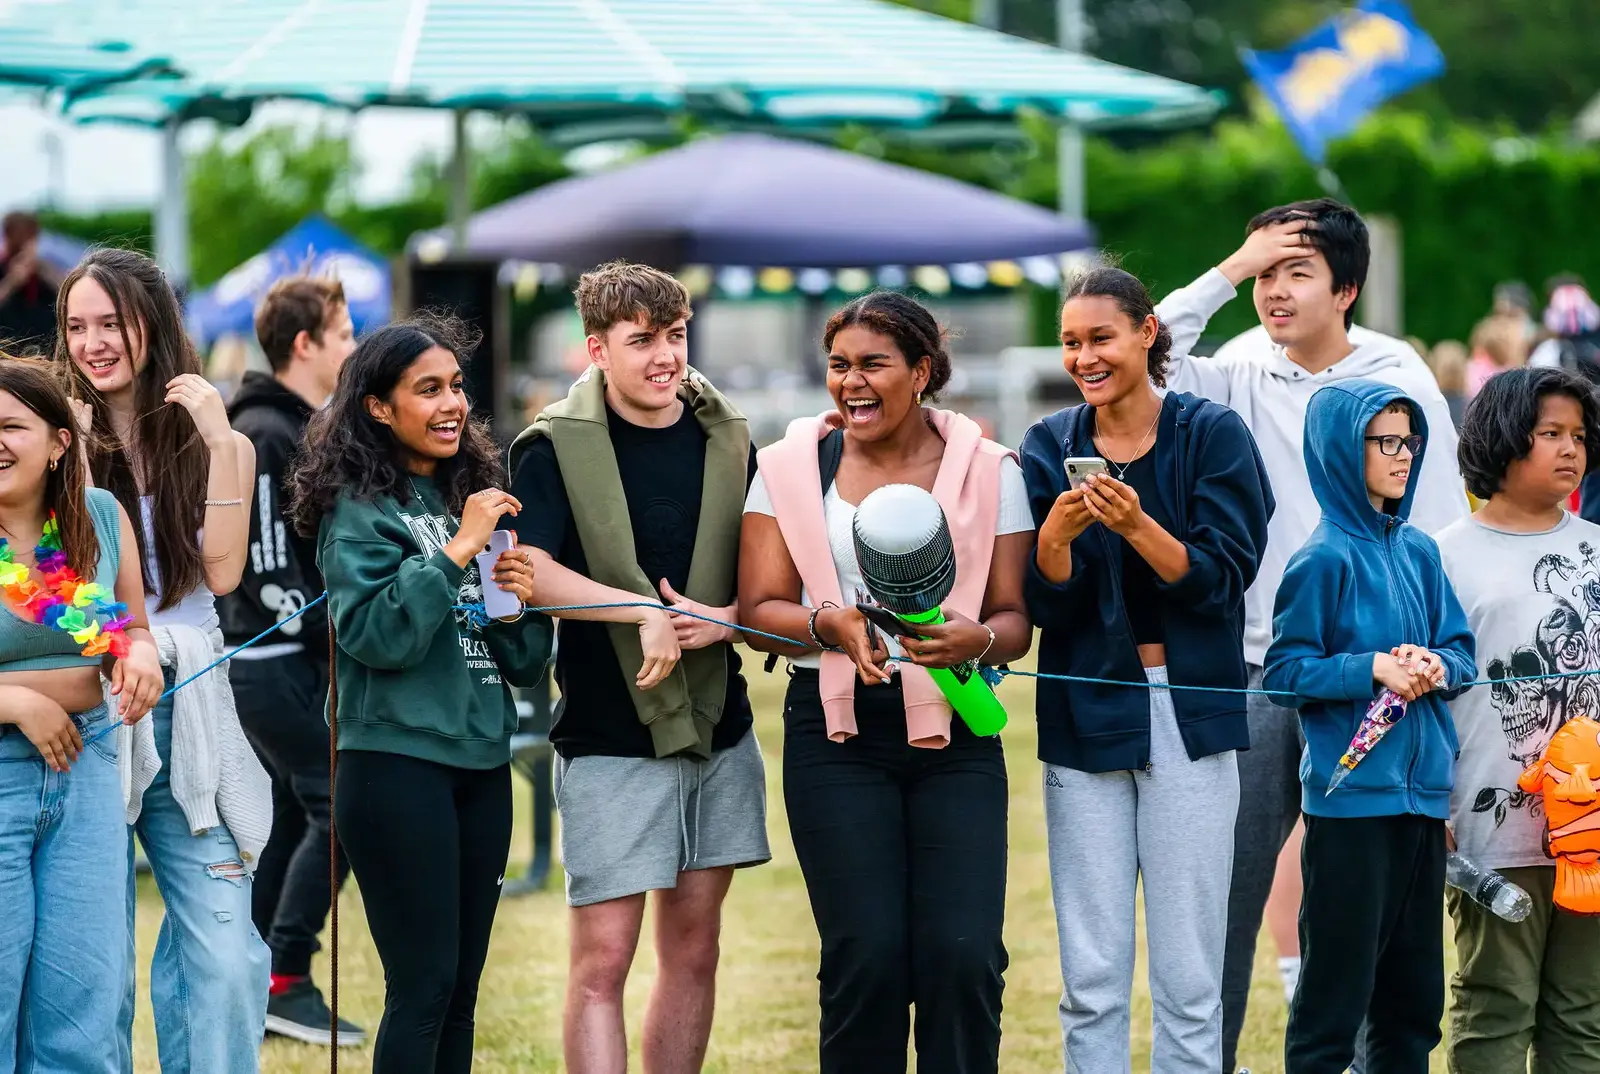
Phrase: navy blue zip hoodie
(1215, 488)
(1365, 582)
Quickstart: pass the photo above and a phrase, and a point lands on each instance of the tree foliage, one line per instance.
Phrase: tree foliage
(1474, 207)
(1524, 62)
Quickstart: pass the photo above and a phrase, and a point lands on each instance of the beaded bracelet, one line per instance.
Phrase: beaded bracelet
(224, 503)
(811, 624)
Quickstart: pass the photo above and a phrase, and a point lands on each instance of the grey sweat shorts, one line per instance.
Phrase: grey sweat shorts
(632, 824)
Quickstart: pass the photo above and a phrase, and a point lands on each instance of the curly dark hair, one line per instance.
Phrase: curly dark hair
(904, 320)
(1498, 427)
(348, 453)
(1124, 288)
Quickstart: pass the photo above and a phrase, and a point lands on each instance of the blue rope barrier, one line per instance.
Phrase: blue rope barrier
(999, 672)
(991, 675)
(218, 662)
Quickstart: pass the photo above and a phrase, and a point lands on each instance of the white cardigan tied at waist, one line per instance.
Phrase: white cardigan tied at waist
(216, 776)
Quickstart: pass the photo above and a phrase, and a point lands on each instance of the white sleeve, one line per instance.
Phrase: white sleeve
(1186, 312)
(756, 501)
(1441, 497)
(1015, 515)
(1546, 355)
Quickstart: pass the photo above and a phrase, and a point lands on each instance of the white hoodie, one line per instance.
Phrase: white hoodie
(1270, 393)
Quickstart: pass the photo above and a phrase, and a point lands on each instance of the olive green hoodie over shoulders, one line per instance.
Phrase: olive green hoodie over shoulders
(682, 711)
(415, 675)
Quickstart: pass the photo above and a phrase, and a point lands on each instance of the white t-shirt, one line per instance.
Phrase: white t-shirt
(1533, 600)
(1258, 381)
(197, 608)
(1014, 517)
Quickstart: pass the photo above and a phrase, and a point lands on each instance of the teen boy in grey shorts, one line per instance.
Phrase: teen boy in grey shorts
(632, 490)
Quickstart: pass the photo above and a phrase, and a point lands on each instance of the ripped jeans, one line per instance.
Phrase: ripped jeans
(211, 970)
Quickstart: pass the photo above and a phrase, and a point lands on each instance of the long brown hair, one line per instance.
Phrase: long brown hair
(34, 384)
(175, 460)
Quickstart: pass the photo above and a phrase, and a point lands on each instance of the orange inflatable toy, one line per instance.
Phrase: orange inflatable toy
(1566, 776)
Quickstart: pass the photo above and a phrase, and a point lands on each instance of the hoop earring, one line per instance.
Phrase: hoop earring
(54, 463)
(919, 398)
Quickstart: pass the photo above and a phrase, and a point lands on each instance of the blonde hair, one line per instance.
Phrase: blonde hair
(1449, 362)
(1502, 339)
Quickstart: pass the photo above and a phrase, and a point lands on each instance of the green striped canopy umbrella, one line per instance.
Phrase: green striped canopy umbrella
(785, 62)
(51, 55)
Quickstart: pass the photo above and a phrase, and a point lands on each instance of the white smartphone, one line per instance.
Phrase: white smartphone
(1079, 469)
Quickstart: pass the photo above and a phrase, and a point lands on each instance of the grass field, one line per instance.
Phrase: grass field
(766, 1002)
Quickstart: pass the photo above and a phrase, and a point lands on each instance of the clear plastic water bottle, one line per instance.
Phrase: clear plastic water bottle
(1487, 888)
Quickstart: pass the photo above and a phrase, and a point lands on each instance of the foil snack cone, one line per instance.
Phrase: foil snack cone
(1381, 715)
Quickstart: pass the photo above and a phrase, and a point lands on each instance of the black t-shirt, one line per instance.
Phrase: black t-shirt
(1141, 595)
(663, 471)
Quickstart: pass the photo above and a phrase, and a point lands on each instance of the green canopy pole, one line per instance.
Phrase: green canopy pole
(1069, 138)
(460, 181)
(172, 209)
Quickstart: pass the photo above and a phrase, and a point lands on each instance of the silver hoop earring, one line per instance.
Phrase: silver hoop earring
(919, 398)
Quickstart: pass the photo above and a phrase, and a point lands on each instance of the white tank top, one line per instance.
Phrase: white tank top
(197, 609)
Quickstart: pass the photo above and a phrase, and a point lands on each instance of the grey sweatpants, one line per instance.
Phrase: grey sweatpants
(1269, 772)
(1172, 825)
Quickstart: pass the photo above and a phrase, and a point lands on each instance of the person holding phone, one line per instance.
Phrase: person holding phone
(402, 490)
(1152, 515)
(898, 811)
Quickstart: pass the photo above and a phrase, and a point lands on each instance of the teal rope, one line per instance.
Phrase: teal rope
(218, 662)
(480, 617)
(1002, 672)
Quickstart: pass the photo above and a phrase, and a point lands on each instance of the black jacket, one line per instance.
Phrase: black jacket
(1215, 487)
(280, 572)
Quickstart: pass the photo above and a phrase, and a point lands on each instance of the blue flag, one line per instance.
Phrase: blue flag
(1326, 82)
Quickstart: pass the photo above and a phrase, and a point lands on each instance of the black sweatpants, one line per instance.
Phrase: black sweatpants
(904, 856)
(1371, 945)
(282, 703)
(428, 844)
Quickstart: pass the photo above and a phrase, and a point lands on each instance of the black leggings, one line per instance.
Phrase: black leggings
(428, 845)
(903, 850)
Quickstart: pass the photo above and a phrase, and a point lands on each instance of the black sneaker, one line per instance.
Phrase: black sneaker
(302, 1014)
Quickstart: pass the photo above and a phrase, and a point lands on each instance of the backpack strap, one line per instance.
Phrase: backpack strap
(830, 449)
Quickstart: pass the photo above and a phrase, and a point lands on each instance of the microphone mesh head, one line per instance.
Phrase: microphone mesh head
(903, 548)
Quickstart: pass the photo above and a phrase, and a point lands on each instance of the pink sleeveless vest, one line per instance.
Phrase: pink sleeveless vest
(967, 487)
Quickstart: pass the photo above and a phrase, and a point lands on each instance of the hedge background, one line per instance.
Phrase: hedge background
(1475, 207)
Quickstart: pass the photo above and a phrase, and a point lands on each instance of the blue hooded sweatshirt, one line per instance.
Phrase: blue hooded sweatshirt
(1364, 583)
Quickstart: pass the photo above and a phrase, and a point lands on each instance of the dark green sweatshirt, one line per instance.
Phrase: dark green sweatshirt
(415, 677)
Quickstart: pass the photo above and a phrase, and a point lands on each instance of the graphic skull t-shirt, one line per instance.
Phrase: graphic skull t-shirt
(1533, 600)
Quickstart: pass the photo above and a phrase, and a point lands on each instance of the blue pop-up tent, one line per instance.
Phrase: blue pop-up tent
(313, 247)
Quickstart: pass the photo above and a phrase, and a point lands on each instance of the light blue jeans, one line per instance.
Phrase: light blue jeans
(63, 935)
(211, 970)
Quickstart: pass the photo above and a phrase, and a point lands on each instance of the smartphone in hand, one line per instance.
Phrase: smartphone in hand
(887, 621)
(1079, 469)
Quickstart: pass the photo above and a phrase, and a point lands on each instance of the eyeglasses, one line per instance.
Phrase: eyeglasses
(1391, 445)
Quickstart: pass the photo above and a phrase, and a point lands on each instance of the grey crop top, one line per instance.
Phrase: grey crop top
(26, 646)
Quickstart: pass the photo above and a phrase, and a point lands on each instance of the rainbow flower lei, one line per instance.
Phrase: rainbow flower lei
(69, 604)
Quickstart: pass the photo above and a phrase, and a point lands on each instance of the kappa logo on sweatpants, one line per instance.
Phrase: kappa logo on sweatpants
(1051, 779)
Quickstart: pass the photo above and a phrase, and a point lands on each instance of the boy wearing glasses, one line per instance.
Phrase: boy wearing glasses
(1305, 265)
(1365, 604)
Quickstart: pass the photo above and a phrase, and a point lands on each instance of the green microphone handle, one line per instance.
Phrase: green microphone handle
(967, 693)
